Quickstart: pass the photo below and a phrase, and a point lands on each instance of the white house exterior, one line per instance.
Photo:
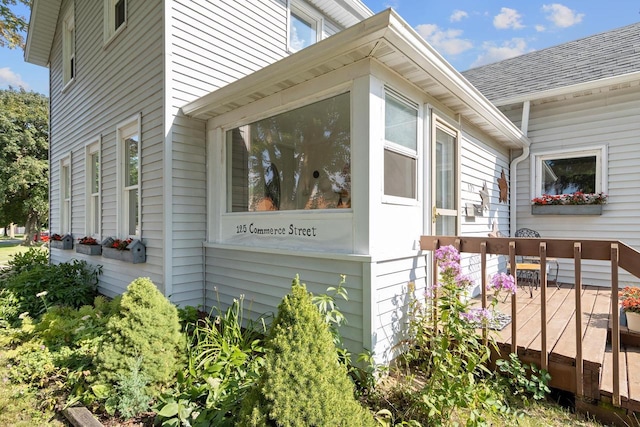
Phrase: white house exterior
(577, 100)
(241, 157)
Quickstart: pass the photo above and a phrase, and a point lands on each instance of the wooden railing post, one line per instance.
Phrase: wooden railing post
(577, 259)
(514, 311)
(615, 327)
(544, 355)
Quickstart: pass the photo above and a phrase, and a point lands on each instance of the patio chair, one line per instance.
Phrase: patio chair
(532, 274)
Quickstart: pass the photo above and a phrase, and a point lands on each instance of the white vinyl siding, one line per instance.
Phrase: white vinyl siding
(606, 119)
(112, 85)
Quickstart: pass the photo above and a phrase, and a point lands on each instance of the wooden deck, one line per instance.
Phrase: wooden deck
(597, 375)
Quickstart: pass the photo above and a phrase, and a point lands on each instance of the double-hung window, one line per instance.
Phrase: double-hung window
(68, 47)
(115, 18)
(445, 179)
(305, 25)
(400, 147)
(93, 203)
(65, 196)
(569, 172)
(129, 178)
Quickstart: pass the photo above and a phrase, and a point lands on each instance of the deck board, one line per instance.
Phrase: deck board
(633, 374)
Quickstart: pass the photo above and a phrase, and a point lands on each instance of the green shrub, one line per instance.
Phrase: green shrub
(25, 260)
(302, 383)
(146, 326)
(34, 289)
(130, 398)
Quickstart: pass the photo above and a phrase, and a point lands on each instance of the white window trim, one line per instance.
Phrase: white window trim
(68, 48)
(123, 131)
(65, 219)
(91, 149)
(305, 11)
(600, 151)
(402, 150)
(110, 33)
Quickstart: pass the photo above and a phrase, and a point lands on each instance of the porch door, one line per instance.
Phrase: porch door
(445, 180)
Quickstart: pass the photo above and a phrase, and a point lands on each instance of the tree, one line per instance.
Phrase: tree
(24, 164)
(12, 25)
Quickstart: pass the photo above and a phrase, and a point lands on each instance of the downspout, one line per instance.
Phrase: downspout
(524, 126)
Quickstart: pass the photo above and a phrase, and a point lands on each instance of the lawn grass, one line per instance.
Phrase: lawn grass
(7, 249)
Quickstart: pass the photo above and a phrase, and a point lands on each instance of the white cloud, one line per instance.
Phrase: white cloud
(10, 78)
(447, 42)
(457, 15)
(540, 28)
(508, 18)
(493, 53)
(561, 15)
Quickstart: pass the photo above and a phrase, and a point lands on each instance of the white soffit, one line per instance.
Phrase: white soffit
(391, 41)
(42, 28)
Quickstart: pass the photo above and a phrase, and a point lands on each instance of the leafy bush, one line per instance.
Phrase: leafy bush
(302, 383)
(21, 261)
(146, 326)
(32, 288)
(130, 398)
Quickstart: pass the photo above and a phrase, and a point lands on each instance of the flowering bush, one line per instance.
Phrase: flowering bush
(577, 198)
(630, 297)
(121, 244)
(88, 241)
(56, 237)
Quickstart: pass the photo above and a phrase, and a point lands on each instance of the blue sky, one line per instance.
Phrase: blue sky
(467, 33)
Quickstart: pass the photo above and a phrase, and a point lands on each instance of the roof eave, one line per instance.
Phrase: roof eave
(42, 28)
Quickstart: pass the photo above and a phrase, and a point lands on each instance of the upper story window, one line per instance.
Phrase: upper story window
(129, 178)
(305, 25)
(400, 147)
(92, 177)
(569, 172)
(299, 159)
(68, 47)
(115, 18)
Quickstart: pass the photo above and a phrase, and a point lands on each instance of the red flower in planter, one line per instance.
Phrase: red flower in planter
(630, 299)
(56, 237)
(121, 245)
(88, 241)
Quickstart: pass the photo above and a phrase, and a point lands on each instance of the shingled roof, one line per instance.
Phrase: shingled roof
(608, 54)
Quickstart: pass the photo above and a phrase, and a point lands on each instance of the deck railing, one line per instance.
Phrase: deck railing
(617, 253)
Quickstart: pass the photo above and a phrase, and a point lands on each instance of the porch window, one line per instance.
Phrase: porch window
(401, 146)
(65, 196)
(570, 172)
(305, 26)
(115, 18)
(92, 177)
(129, 152)
(446, 169)
(68, 47)
(300, 159)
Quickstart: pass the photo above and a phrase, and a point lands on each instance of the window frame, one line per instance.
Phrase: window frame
(124, 131)
(305, 12)
(110, 31)
(68, 47)
(439, 123)
(600, 152)
(396, 148)
(66, 195)
(93, 198)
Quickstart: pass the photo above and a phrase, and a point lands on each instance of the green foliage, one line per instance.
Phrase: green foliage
(21, 261)
(39, 286)
(130, 397)
(24, 165)
(145, 326)
(11, 24)
(224, 360)
(302, 383)
(522, 379)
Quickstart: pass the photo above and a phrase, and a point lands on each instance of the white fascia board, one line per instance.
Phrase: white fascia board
(315, 55)
(567, 90)
(42, 27)
(425, 56)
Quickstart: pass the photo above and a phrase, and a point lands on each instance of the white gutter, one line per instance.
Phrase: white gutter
(524, 126)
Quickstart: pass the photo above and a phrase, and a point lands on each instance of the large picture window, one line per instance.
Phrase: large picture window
(300, 159)
(570, 172)
(401, 147)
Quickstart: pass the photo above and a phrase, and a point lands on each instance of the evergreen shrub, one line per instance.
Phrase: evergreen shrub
(147, 327)
(303, 383)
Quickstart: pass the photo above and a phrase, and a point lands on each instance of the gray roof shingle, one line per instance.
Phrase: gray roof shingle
(607, 54)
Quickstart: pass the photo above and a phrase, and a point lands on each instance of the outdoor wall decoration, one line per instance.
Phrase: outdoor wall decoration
(503, 185)
(484, 197)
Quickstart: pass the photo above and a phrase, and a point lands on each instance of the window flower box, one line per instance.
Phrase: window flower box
(129, 250)
(566, 209)
(630, 304)
(88, 246)
(61, 242)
